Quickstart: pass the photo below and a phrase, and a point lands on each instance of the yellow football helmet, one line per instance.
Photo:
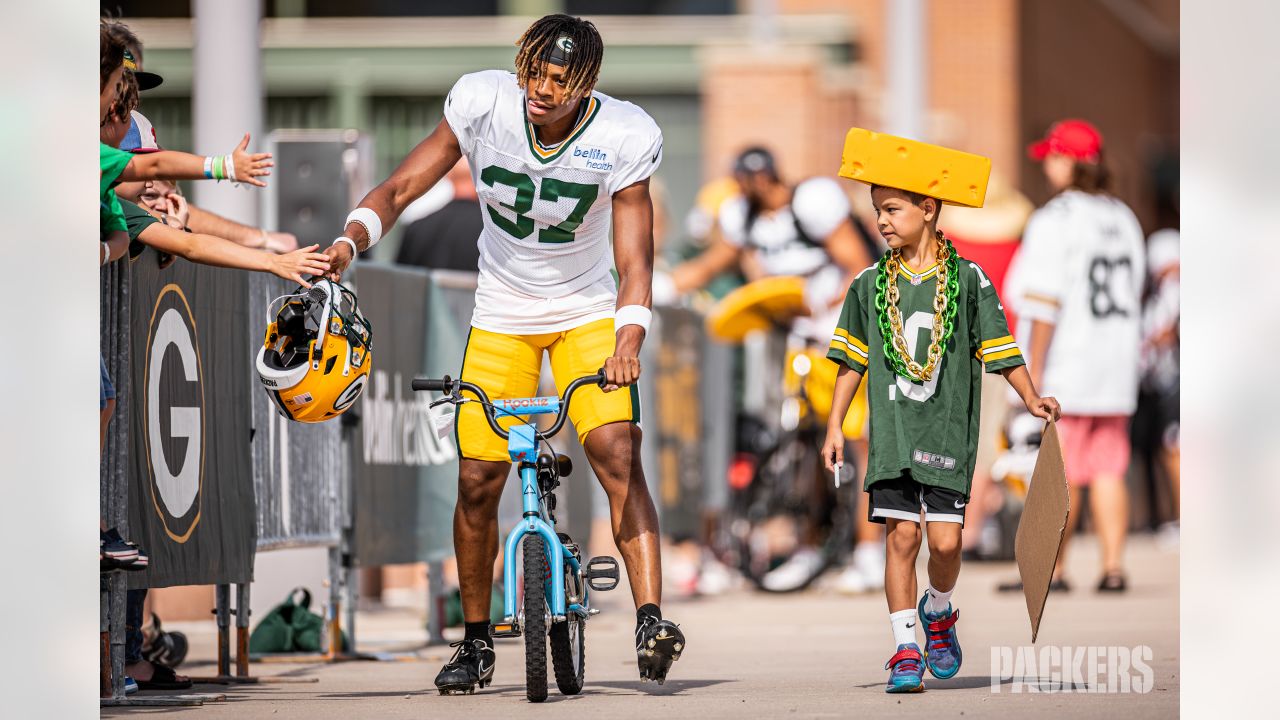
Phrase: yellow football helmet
(316, 358)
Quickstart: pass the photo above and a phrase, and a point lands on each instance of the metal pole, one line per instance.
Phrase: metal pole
(350, 594)
(764, 23)
(333, 617)
(222, 610)
(905, 68)
(435, 602)
(227, 95)
(104, 631)
(242, 630)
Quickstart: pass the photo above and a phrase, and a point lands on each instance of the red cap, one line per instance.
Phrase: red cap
(1076, 139)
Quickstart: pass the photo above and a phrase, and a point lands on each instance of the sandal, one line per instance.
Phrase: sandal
(163, 678)
(1055, 585)
(161, 647)
(1113, 582)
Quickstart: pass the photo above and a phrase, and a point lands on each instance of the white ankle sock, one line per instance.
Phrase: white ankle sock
(903, 623)
(937, 601)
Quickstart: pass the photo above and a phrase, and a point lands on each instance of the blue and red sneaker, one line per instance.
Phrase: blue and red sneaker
(906, 670)
(941, 647)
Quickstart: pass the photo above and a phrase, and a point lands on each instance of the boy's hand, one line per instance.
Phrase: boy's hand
(250, 166)
(176, 206)
(1045, 408)
(833, 449)
(304, 261)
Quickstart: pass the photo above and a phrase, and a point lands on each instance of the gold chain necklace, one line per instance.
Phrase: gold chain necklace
(893, 263)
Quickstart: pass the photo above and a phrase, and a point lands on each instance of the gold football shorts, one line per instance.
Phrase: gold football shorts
(508, 366)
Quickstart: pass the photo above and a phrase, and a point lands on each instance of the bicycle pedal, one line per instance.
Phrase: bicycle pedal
(507, 630)
(602, 573)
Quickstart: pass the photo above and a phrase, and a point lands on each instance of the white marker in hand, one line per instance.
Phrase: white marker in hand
(839, 466)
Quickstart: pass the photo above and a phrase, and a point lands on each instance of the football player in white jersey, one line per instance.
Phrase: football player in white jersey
(807, 230)
(1076, 285)
(555, 165)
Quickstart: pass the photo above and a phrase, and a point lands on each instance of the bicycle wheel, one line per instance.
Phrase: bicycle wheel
(568, 654)
(568, 642)
(535, 618)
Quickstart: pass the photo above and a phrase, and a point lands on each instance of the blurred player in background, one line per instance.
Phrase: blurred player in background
(1077, 288)
(772, 229)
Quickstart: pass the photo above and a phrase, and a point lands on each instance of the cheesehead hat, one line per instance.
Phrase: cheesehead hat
(952, 176)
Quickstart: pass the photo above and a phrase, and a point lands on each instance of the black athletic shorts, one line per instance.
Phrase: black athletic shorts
(903, 498)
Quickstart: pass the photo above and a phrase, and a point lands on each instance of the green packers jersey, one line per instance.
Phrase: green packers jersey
(928, 430)
(112, 162)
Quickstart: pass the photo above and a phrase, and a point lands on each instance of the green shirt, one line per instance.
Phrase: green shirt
(928, 430)
(112, 162)
(136, 220)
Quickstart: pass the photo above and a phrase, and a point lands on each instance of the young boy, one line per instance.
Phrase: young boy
(920, 324)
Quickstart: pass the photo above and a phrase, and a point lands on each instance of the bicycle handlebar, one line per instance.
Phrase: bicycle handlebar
(454, 387)
(431, 384)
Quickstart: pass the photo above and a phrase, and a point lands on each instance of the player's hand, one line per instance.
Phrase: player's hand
(1045, 408)
(306, 261)
(833, 449)
(621, 371)
(250, 166)
(339, 257)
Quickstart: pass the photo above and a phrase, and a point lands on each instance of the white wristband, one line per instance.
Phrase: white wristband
(355, 253)
(632, 315)
(367, 219)
(106, 253)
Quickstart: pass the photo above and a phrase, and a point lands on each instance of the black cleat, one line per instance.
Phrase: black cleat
(658, 644)
(472, 665)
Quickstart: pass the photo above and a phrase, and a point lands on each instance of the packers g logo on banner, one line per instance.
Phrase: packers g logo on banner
(173, 410)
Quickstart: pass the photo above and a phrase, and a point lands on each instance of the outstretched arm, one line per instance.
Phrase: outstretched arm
(633, 257)
(211, 250)
(423, 168)
(203, 221)
(696, 273)
(244, 167)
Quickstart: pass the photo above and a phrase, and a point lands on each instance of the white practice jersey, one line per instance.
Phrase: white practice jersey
(1081, 267)
(817, 206)
(545, 255)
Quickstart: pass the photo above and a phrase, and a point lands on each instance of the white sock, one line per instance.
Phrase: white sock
(937, 601)
(903, 623)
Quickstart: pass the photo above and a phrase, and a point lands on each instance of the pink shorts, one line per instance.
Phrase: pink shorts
(1094, 445)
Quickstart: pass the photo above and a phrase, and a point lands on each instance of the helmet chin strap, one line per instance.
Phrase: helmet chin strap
(322, 291)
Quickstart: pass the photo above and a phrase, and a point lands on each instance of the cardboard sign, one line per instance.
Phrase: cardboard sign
(1044, 520)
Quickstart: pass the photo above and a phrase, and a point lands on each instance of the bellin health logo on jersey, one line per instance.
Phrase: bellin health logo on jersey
(595, 158)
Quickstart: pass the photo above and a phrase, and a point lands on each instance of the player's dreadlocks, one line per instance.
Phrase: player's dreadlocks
(539, 42)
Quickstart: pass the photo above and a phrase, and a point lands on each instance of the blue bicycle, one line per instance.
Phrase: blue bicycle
(556, 584)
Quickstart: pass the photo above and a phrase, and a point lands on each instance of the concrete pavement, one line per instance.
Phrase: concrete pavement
(815, 654)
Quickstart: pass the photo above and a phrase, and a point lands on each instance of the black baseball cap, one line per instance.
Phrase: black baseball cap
(755, 160)
(146, 80)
